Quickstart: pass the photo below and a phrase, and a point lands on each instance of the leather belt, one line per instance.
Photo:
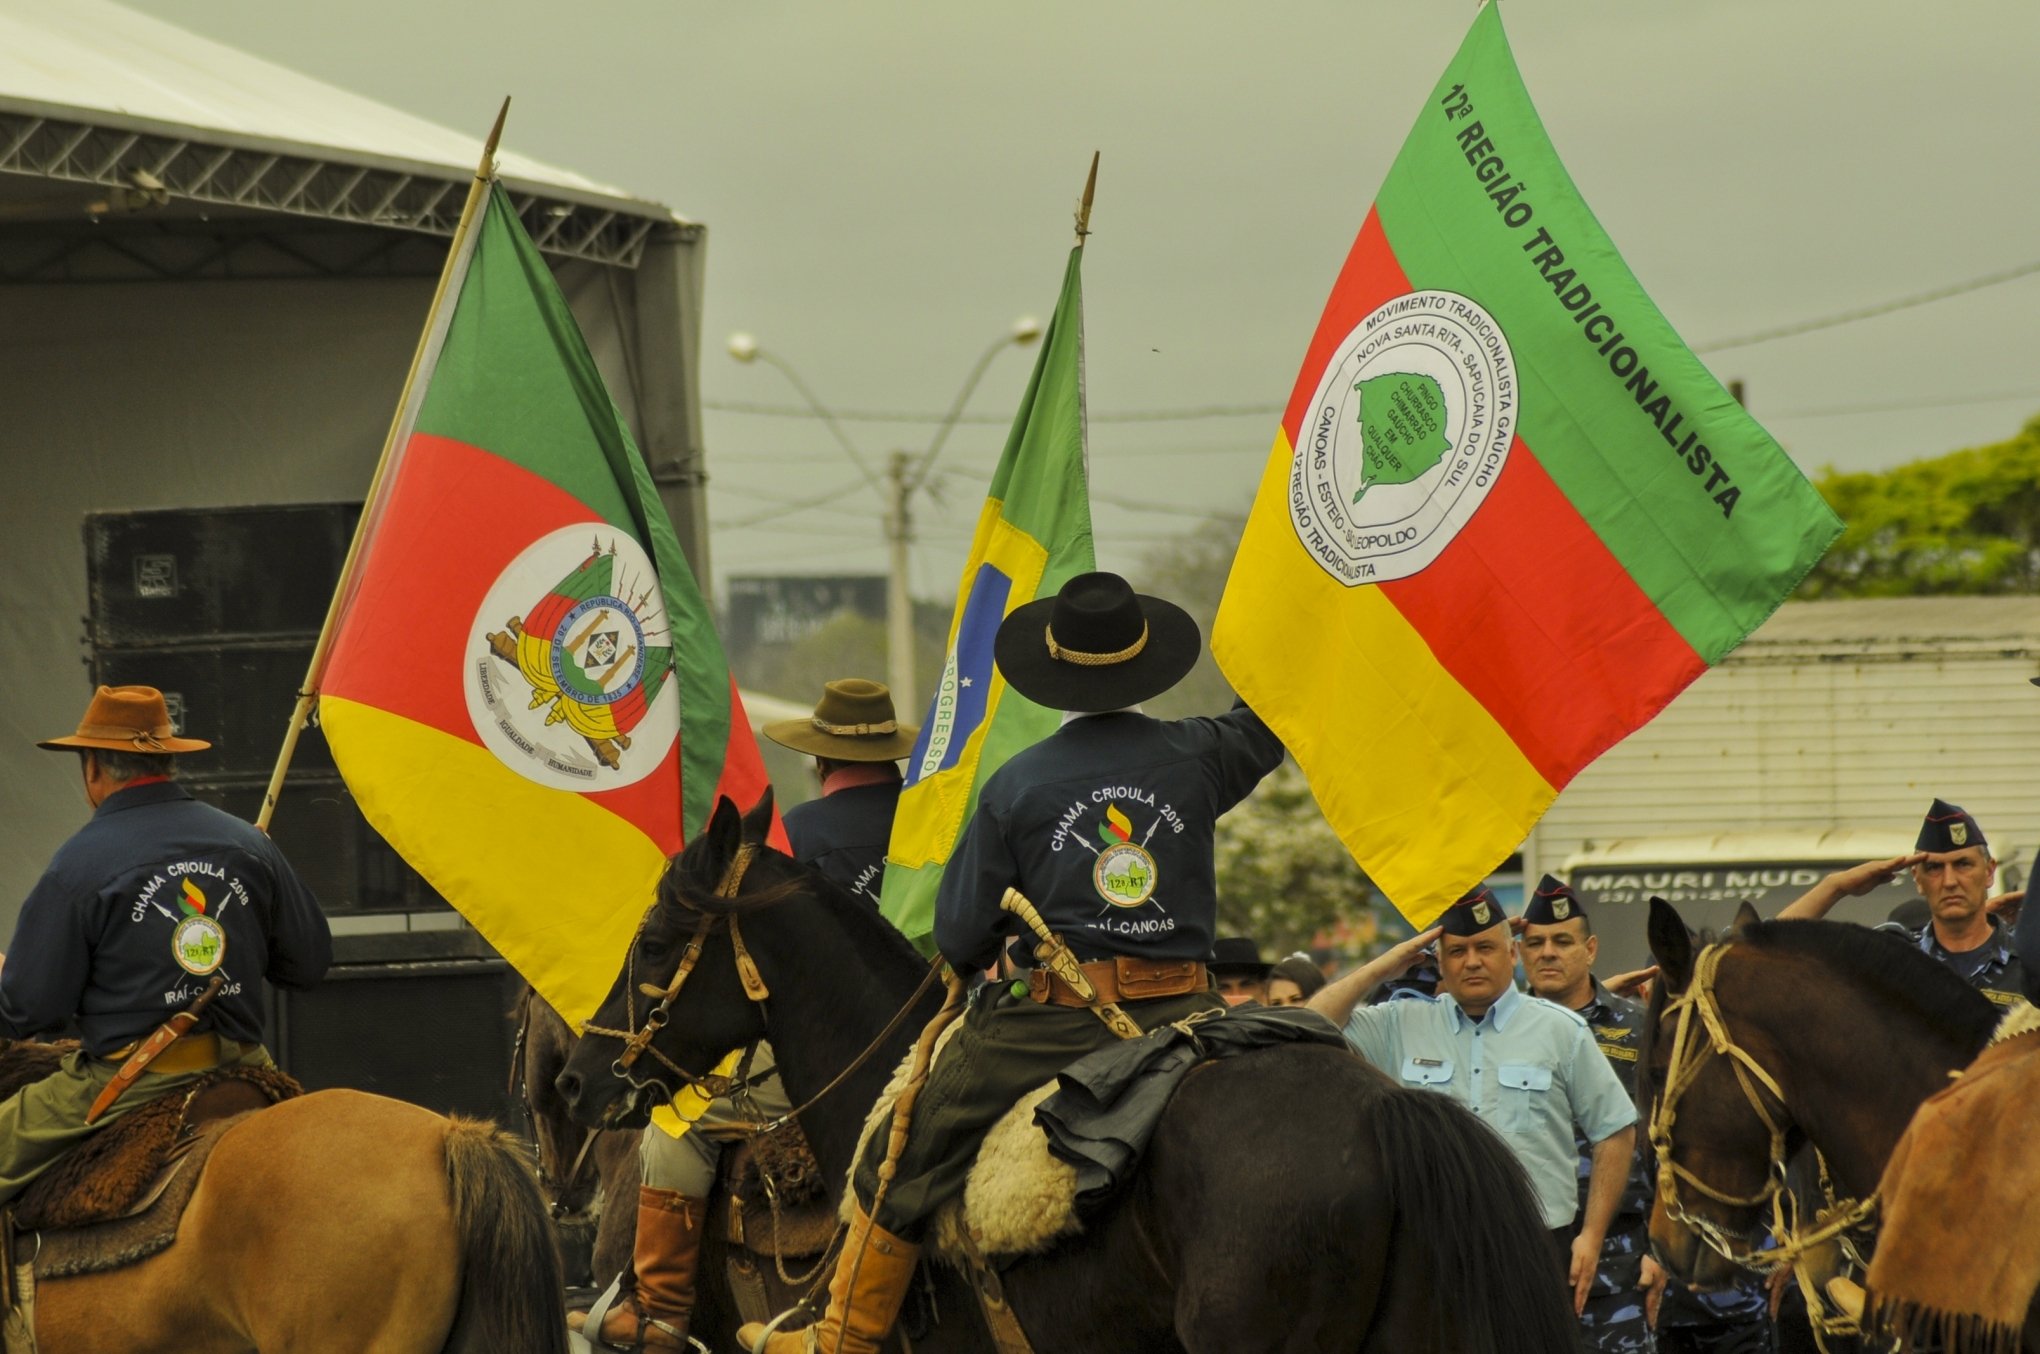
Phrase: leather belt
(192, 1053)
(1121, 979)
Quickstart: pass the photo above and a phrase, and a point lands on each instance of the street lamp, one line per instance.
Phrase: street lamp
(906, 473)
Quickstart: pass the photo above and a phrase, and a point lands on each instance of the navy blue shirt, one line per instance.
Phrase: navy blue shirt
(844, 835)
(1992, 968)
(1106, 826)
(141, 907)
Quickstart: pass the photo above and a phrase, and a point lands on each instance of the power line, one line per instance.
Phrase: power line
(1872, 312)
(1002, 420)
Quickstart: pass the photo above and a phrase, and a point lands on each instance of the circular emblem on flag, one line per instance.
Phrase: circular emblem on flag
(199, 944)
(570, 663)
(1124, 875)
(1405, 437)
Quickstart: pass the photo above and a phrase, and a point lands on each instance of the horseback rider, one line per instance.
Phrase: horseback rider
(1527, 1067)
(856, 741)
(1953, 869)
(1106, 826)
(147, 903)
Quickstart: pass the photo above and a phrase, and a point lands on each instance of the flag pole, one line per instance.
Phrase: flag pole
(1084, 207)
(456, 256)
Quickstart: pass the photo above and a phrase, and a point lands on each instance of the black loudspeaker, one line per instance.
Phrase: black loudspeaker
(437, 1033)
(341, 859)
(236, 697)
(185, 575)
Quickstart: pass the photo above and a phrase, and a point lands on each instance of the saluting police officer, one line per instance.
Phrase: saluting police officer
(1527, 1067)
(138, 912)
(1106, 826)
(1953, 869)
(856, 739)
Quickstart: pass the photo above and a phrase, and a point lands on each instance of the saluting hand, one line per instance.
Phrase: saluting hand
(1635, 983)
(1872, 875)
(2002, 901)
(1402, 958)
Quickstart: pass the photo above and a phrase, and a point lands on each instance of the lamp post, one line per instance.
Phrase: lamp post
(906, 473)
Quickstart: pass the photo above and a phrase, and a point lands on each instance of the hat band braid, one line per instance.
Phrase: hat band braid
(145, 739)
(856, 730)
(1095, 660)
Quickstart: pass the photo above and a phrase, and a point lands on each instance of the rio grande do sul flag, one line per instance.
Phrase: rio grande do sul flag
(1507, 516)
(526, 693)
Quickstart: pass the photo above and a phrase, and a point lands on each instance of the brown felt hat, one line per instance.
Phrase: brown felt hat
(853, 722)
(125, 719)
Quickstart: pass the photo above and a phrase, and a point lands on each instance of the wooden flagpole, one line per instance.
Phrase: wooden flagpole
(1084, 207)
(456, 262)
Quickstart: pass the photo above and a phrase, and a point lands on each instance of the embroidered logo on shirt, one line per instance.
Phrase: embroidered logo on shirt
(199, 943)
(1124, 874)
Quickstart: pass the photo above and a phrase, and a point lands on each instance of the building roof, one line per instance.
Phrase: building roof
(100, 58)
(1896, 627)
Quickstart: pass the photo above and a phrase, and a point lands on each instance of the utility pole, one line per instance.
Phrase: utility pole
(899, 602)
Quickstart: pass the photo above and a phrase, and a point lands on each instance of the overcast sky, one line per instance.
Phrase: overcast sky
(888, 185)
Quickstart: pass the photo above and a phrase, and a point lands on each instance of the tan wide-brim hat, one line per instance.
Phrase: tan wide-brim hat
(854, 722)
(126, 719)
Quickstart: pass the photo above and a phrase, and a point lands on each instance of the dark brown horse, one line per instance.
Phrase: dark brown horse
(1295, 1199)
(1845, 1031)
(336, 1223)
(599, 1186)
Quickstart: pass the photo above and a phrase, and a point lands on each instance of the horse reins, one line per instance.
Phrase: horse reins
(639, 1042)
(1689, 1052)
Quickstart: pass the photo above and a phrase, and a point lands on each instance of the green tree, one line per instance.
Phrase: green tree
(1965, 522)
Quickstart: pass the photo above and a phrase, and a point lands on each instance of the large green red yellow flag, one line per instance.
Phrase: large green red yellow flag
(526, 693)
(1033, 536)
(1508, 514)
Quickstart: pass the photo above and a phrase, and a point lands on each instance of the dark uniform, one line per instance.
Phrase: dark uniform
(844, 835)
(136, 913)
(1106, 827)
(1613, 1320)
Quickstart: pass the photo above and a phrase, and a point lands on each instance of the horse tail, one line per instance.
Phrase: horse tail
(1470, 1226)
(512, 1293)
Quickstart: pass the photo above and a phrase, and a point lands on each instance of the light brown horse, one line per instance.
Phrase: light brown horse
(336, 1223)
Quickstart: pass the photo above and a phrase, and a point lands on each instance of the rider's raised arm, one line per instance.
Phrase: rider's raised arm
(1247, 751)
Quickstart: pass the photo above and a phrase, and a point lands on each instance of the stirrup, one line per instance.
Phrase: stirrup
(598, 1315)
(771, 1327)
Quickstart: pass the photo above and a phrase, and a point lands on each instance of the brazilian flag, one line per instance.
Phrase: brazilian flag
(1033, 536)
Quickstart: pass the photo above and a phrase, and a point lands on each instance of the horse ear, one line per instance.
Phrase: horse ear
(1671, 944)
(1745, 917)
(758, 822)
(725, 830)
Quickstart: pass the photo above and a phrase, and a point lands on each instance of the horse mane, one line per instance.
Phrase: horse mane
(691, 879)
(1894, 971)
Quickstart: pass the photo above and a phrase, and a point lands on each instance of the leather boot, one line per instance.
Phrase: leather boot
(656, 1315)
(882, 1267)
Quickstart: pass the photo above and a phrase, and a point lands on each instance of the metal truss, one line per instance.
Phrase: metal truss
(144, 167)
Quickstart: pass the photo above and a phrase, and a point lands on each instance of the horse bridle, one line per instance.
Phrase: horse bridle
(639, 1042)
(1689, 1054)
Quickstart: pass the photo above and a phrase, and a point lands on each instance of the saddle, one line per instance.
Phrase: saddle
(141, 1163)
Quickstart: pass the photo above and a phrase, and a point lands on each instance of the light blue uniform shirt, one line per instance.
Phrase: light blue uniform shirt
(1530, 1069)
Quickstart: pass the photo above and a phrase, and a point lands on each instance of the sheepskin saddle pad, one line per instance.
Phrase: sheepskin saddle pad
(1017, 1200)
(117, 1197)
(778, 1202)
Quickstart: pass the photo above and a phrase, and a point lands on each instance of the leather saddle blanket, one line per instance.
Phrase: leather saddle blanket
(117, 1197)
(1930, 1284)
(1044, 1165)
(778, 1205)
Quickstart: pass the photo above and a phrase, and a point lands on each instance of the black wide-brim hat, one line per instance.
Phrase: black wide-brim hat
(1096, 645)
